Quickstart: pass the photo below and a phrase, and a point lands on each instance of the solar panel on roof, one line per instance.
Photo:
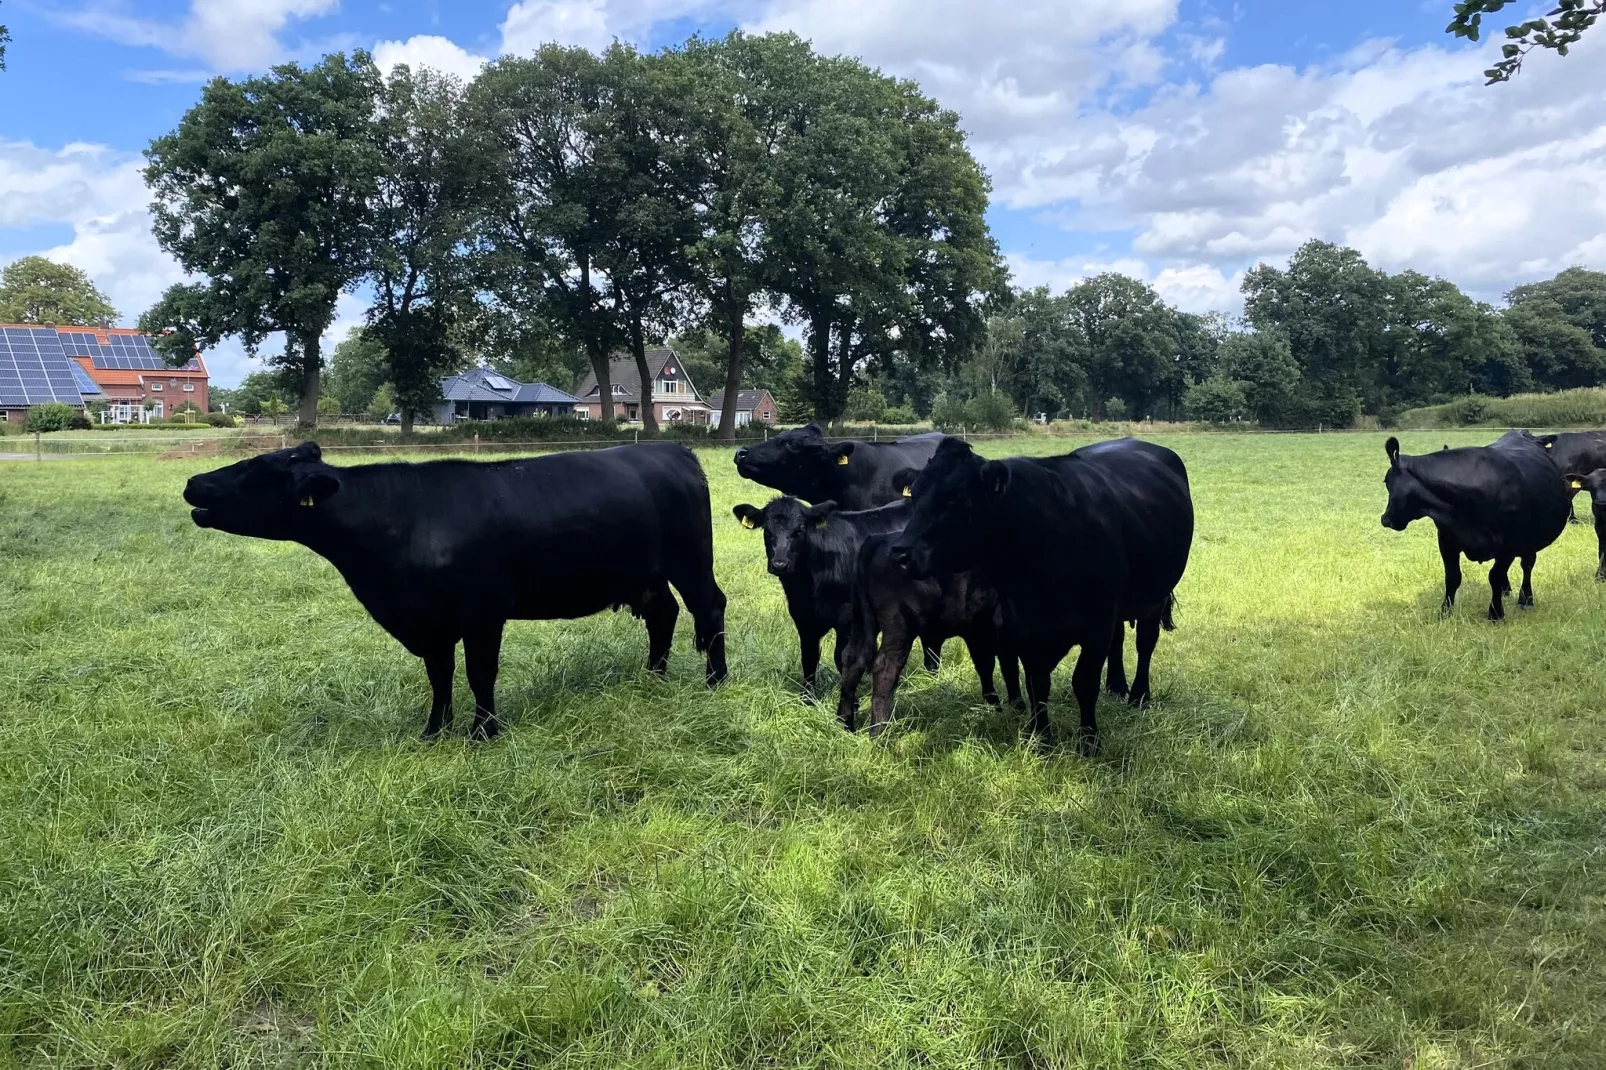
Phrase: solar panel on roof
(33, 368)
(86, 385)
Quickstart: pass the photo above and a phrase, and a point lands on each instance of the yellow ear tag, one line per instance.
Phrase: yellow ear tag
(820, 524)
(1549, 445)
(1577, 485)
(843, 459)
(747, 522)
(907, 493)
(307, 502)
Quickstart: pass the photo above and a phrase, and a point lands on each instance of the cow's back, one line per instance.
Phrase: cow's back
(1509, 498)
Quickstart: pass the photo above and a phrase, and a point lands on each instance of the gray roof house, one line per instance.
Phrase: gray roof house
(675, 397)
(486, 394)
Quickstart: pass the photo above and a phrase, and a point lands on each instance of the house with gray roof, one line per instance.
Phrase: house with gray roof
(674, 396)
(486, 394)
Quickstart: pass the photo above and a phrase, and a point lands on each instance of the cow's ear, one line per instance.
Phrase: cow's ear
(905, 481)
(995, 477)
(749, 516)
(1392, 448)
(843, 451)
(820, 513)
(316, 487)
(306, 451)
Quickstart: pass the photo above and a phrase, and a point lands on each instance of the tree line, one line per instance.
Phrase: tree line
(1321, 342)
(575, 203)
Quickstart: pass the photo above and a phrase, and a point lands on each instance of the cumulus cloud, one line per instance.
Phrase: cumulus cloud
(437, 53)
(231, 35)
(532, 23)
(1192, 288)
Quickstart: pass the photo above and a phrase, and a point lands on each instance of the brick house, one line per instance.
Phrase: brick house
(752, 406)
(675, 398)
(136, 384)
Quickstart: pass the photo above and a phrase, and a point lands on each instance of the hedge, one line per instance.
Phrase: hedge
(1567, 408)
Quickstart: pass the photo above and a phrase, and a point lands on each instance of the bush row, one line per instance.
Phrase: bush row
(1567, 408)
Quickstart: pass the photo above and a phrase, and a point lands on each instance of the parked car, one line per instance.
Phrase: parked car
(393, 418)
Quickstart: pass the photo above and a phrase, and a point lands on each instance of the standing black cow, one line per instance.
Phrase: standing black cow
(1498, 502)
(855, 475)
(814, 551)
(1594, 484)
(449, 551)
(1575, 453)
(1074, 546)
(895, 607)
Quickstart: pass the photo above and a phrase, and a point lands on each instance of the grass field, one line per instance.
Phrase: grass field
(1346, 834)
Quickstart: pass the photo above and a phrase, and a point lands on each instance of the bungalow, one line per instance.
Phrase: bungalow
(674, 396)
(485, 394)
(751, 405)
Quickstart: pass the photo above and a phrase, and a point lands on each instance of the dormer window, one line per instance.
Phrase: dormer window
(618, 391)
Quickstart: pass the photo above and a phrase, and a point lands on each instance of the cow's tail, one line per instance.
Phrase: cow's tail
(1166, 621)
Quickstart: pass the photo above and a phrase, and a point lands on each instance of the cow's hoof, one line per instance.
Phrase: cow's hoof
(484, 731)
(809, 697)
(1088, 745)
(1525, 603)
(1118, 688)
(1445, 610)
(991, 698)
(1137, 699)
(1600, 577)
(1496, 618)
(430, 735)
(877, 729)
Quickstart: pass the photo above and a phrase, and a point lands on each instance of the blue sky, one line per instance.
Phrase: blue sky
(1178, 140)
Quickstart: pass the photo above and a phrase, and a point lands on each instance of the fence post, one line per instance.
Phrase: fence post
(476, 443)
(38, 450)
(962, 434)
(638, 442)
(874, 437)
(281, 442)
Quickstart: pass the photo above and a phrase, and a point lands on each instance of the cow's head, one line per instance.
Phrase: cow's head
(266, 497)
(1594, 485)
(787, 524)
(953, 499)
(1410, 498)
(799, 462)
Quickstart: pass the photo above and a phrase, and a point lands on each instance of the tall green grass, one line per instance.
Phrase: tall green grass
(1346, 834)
(1566, 408)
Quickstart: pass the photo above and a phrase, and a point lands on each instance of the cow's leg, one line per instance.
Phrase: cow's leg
(440, 665)
(1450, 552)
(1039, 673)
(981, 656)
(1600, 546)
(897, 641)
(1115, 676)
(857, 651)
(1148, 634)
(482, 655)
(809, 641)
(1525, 596)
(659, 611)
(1085, 686)
(1499, 586)
(706, 604)
(1572, 513)
(931, 652)
(1009, 667)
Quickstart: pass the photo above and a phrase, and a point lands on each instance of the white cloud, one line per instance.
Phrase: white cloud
(231, 35)
(1192, 288)
(424, 50)
(532, 23)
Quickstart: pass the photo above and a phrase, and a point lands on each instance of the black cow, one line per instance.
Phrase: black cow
(1074, 546)
(1498, 502)
(1575, 453)
(1594, 484)
(897, 608)
(451, 550)
(814, 551)
(855, 475)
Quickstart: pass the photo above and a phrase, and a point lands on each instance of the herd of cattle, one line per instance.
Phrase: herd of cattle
(879, 543)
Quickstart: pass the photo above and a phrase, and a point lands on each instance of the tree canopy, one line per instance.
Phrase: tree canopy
(265, 190)
(36, 290)
(1562, 28)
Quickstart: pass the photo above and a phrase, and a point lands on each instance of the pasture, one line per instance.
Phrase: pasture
(1346, 834)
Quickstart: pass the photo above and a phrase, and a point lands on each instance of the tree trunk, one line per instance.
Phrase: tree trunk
(595, 349)
(307, 418)
(820, 345)
(733, 377)
(844, 372)
(407, 421)
(599, 367)
(638, 342)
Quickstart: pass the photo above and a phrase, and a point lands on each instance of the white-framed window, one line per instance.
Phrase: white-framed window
(618, 391)
(667, 386)
(156, 410)
(189, 388)
(5, 416)
(584, 414)
(156, 388)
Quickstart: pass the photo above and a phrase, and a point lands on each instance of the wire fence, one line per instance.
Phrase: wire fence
(181, 446)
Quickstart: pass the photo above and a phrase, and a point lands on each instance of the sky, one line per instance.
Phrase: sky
(1179, 141)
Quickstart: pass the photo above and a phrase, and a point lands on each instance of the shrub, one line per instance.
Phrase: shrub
(992, 411)
(79, 421)
(1217, 400)
(52, 417)
(1116, 410)
(900, 414)
(1567, 408)
(219, 419)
